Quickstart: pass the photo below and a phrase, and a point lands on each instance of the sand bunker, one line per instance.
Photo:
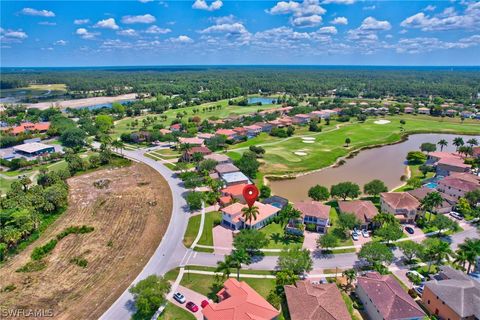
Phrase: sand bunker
(382, 121)
(308, 138)
(300, 153)
(308, 141)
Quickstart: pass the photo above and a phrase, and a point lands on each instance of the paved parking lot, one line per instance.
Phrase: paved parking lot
(193, 296)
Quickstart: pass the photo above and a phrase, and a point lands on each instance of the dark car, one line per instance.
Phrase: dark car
(409, 230)
(191, 306)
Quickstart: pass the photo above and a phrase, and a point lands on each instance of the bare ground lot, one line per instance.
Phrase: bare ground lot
(78, 103)
(130, 217)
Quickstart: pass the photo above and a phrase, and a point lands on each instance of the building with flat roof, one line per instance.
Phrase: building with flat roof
(33, 149)
(232, 178)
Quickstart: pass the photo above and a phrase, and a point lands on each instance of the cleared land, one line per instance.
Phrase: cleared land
(78, 103)
(280, 159)
(130, 217)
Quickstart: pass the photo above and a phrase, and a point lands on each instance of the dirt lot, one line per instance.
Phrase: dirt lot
(130, 216)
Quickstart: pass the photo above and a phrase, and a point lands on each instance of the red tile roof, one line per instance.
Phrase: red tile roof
(460, 184)
(400, 200)
(226, 132)
(28, 126)
(307, 301)
(313, 209)
(264, 211)
(234, 190)
(363, 210)
(238, 301)
(389, 297)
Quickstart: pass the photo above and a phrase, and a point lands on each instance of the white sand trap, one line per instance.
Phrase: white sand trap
(308, 138)
(300, 153)
(382, 121)
(308, 141)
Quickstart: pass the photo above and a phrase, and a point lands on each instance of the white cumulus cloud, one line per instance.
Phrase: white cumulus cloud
(340, 20)
(81, 21)
(85, 34)
(232, 28)
(157, 30)
(309, 21)
(327, 30)
(146, 18)
(339, 1)
(39, 13)
(60, 42)
(203, 5)
(9, 36)
(181, 39)
(107, 24)
(127, 33)
(305, 14)
(372, 24)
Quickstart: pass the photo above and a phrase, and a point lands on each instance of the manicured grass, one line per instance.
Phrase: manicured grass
(172, 312)
(349, 303)
(329, 144)
(207, 235)
(341, 242)
(275, 233)
(242, 271)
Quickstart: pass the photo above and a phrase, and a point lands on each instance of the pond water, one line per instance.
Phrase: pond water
(104, 105)
(263, 100)
(385, 163)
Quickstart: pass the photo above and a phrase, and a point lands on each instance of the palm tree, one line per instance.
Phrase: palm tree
(384, 218)
(225, 266)
(442, 143)
(238, 257)
(471, 248)
(249, 214)
(458, 142)
(118, 144)
(185, 147)
(350, 275)
(461, 258)
(472, 142)
(431, 201)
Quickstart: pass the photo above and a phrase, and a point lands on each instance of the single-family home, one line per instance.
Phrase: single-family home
(205, 136)
(240, 132)
(140, 136)
(232, 178)
(194, 142)
(165, 131)
(450, 113)
(364, 210)
(188, 155)
(177, 127)
(286, 121)
(457, 185)
(408, 110)
(226, 168)
(27, 127)
(447, 162)
(402, 205)
(229, 133)
(253, 130)
(476, 152)
(266, 127)
(231, 193)
(301, 118)
(276, 201)
(384, 299)
(238, 301)
(314, 212)
(276, 123)
(219, 158)
(456, 297)
(232, 216)
(423, 110)
(466, 114)
(447, 204)
(308, 301)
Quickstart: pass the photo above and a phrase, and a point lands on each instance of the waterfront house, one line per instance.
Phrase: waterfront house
(308, 301)
(238, 301)
(402, 205)
(301, 118)
(240, 132)
(454, 295)
(314, 212)
(230, 134)
(219, 158)
(364, 210)
(253, 130)
(384, 299)
(447, 163)
(276, 201)
(458, 184)
(266, 127)
(232, 216)
(187, 156)
(447, 204)
(232, 193)
(476, 152)
(232, 178)
(225, 168)
(286, 121)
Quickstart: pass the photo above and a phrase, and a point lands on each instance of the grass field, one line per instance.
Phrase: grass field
(275, 233)
(172, 312)
(329, 145)
(193, 225)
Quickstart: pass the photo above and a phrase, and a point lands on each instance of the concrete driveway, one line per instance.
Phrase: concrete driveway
(310, 240)
(222, 238)
(193, 296)
(418, 234)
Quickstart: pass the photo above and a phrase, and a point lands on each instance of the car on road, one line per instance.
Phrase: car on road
(179, 297)
(412, 274)
(204, 303)
(409, 230)
(191, 306)
(355, 236)
(365, 233)
(456, 215)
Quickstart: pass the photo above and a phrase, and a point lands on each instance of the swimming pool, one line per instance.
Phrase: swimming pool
(431, 185)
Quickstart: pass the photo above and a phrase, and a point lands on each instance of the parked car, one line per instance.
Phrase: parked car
(365, 233)
(419, 290)
(179, 297)
(415, 274)
(204, 303)
(456, 215)
(355, 236)
(191, 306)
(409, 230)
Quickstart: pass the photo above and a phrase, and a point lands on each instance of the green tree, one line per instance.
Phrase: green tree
(410, 249)
(435, 250)
(442, 143)
(389, 232)
(318, 193)
(328, 240)
(471, 249)
(250, 240)
(194, 200)
(265, 191)
(473, 197)
(296, 259)
(148, 295)
(375, 251)
(249, 214)
(239, 257)
(383, 218)
(285, 277)
(350, 275)
(347, 141)
(73, 138)
(226, 266)
(248, 164)
(472, 142)
(458, 142)
(431, 201)
(345, 190)
(375, 187)
(416, 157)
(104, 123)
(428, 147)
(443, 223)
(347, 221)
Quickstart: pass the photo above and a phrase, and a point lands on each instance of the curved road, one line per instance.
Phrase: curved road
(171, 252)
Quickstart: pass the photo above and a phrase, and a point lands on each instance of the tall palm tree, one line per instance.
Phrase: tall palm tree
(118, 144)
(225, 266)
(472, 142)
(431, 201)
(442, 143)
(250, 214)
(461, 258)
(443, 252)
(350, 275)
(458, 142)
(383, 218)
(238, 257)
(471, 248)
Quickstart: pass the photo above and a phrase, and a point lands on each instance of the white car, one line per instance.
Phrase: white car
(365, 233)
(179, 297)
(456, 215)
(355, 236)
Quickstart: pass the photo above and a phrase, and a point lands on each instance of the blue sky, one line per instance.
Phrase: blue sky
(320, 32)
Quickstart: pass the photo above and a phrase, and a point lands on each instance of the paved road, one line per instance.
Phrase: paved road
(172, 253)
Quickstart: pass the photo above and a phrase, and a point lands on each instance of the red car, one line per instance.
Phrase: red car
(191, 306)
(204, 303)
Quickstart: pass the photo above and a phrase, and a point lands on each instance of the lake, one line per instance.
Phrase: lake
(263, 100)
(386, 163)
(104, 105)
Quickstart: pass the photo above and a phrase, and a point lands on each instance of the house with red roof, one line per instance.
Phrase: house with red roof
(240, 131)
(301, 118)
(253, 130)
(177, 127)
(446, 163)
(458, 184)
(402, 205)
(187, 156)
(232, 216)
(238, 301)
(191, 141)
(230, 193)
(27, 127)
(229, 133)
(364, 210)
(314, 212)
(384, 299)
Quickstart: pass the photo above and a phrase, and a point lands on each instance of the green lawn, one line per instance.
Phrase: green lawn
(207, 235)
(329, 144)
(341, 243)
(275, 233)
(172, 312)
